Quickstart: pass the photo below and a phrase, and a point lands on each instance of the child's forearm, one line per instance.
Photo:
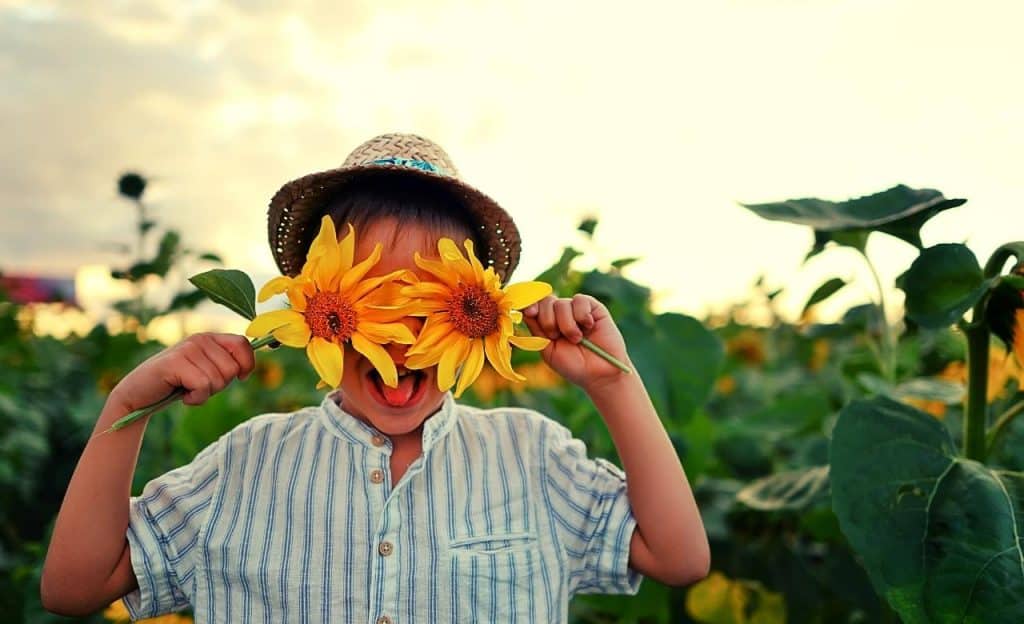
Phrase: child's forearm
(87, 564)
(673, 540)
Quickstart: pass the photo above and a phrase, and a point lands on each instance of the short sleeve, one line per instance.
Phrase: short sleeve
(590, 508)
(163, 530)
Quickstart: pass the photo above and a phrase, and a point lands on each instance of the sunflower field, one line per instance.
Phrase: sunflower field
(847, 472)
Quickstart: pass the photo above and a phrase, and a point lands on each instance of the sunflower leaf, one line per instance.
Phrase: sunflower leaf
(229, 287)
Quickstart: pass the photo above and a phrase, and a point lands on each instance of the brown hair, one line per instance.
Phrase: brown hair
(408, 199)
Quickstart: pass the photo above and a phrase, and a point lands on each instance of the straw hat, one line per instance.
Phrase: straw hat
(295, 210)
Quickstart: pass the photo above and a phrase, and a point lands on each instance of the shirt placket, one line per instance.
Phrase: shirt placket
(387, 566)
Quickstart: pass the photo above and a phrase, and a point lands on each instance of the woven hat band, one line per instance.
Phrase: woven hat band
(411, 163)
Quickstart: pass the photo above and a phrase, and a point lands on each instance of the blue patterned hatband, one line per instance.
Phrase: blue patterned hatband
(408, 162)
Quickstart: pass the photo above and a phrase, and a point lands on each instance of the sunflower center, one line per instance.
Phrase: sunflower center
(330, 316)
(473, 312)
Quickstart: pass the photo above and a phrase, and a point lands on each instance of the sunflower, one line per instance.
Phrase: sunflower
(332, 303)
(468, 315)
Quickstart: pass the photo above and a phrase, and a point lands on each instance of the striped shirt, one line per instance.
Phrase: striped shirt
(291, 517)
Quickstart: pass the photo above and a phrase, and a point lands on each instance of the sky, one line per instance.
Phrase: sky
(658, 118)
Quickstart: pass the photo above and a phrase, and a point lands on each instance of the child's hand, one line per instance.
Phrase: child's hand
(204, 364)
(566, 322)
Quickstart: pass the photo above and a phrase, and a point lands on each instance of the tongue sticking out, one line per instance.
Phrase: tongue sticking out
(399, 396)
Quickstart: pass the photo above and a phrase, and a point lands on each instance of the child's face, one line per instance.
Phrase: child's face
(361, 391)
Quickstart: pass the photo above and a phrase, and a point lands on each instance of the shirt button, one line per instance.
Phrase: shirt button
(385, 548)
(377, 476)
(378, 440)
(383, 620)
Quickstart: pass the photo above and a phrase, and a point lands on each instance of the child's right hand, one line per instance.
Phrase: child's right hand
(203, 364)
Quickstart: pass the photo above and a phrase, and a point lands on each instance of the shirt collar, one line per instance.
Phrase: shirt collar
(355, 431)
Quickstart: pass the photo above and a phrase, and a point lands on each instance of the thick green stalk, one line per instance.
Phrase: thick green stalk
(976, 417)
(977, 390)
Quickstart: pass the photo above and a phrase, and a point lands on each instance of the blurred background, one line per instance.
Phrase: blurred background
(143, 141)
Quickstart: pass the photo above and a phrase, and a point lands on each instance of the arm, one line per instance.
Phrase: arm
(670, 543)
(88, 562)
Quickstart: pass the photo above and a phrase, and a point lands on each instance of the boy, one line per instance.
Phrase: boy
(381, 506)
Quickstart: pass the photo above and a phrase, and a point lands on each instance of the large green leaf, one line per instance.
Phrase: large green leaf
(899, 211)
(938, 534)
(943, 282)
(229, 287)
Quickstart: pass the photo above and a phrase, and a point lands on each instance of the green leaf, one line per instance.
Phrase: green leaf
(229, 287)
(938, 534)
(794, 490)
(186, 300)
(823, 292)
(587, 226)
(212, 257)
(623, 262)
(900, 211)
(942, 284)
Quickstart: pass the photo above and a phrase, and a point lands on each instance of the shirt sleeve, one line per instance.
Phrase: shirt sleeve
(588, 502)
(163, 530)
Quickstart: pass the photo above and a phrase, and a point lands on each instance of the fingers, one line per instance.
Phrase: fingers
(554, 318)
(240, 349)
(215, 361)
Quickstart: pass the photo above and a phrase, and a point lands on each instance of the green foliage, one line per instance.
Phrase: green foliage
(900, 211)
(938, 534)
(230, 288)
(942, 284)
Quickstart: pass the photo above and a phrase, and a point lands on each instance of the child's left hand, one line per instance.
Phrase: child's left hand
(566, 322)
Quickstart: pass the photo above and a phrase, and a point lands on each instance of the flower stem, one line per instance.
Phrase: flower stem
(977, 390)
(887, 356)
(995, 434)
(175, 394)
(607, 356)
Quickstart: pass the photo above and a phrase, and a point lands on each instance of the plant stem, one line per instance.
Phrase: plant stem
(607, 356)
(977, 390)
(977, 331)
(173, 396)
(887, 358)
(996, 432)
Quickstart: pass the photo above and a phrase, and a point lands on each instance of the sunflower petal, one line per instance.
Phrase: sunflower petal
(450, 360)
(328, 268)
(438, 270)
(471, 369)
(427, 289)
(518, 296)
(434, 332)
(356, 273)
(347, 248)
(299, 295)
(328, 360)
(273, 287)
(516, 316)
(453, 259)
(267, 322)
(529, 343)
(294, 335)
(382, 333)
(500, 359)
(391, 282)
(324, 240)
(423, 360)
(478, 269)
(378, 356)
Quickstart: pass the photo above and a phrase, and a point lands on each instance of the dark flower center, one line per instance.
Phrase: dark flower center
(473, 312)
(330, 316)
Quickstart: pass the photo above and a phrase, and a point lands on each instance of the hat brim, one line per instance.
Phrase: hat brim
(296, 208)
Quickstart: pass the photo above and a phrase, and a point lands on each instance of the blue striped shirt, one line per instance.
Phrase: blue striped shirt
(292, 518)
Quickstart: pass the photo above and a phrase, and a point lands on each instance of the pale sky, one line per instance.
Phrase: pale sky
(657, 117)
